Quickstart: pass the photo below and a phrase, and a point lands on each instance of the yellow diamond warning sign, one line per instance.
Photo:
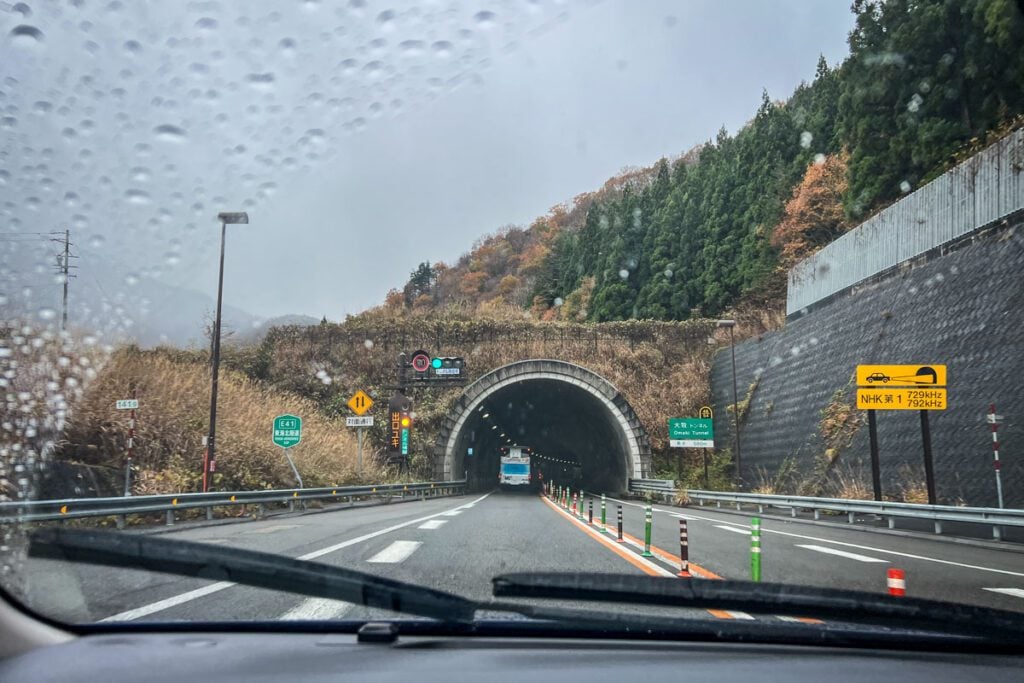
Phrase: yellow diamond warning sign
(360, 403)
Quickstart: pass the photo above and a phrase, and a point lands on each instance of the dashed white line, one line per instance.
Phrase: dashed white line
(433, 524)
(734, 529)
(1015, 592)
(317, 608)
(452, 513)
(739, 615)
(160, 605)
(841, 553)
(398, 551)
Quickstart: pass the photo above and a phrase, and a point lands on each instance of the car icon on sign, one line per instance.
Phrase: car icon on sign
(878, 377)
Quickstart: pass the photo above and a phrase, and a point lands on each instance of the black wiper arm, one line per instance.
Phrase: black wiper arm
(807, 601)
(250, 568)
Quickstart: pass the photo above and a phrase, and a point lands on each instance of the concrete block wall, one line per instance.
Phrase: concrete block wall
(964, 309)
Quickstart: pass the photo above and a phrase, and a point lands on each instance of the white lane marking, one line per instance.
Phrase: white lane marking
(847, 545)
(785, 618)
(739, 615)
(398, 551)
(452, 513)
(167, 603)
(317, 608)
(738, 530)
(359, 539)
(189, 596)
(841, 553)
(433, 524)
(1015, 592)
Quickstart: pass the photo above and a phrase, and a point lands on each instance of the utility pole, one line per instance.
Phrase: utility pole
(64, 270)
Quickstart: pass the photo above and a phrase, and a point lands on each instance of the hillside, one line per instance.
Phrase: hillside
(715, 228)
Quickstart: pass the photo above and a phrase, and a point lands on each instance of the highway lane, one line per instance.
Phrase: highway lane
(453, 544)
(459, 544)
(803, 552)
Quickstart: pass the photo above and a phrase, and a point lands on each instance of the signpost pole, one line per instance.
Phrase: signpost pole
(929, 469)
(706, 484)
(359, 451)
(876, 475)
(131, 451)
(294, 470)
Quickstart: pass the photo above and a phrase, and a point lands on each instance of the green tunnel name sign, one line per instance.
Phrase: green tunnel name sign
(691, 432)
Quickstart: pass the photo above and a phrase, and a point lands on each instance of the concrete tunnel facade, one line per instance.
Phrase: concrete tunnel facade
(583, 432)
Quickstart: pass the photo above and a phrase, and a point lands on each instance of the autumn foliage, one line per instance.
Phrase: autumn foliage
(813, 217)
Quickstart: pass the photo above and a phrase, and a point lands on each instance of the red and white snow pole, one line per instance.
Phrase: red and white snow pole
(994, 420)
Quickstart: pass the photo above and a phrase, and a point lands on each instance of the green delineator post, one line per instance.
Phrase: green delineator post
(755, 549)
(647, 533)
(604, 524)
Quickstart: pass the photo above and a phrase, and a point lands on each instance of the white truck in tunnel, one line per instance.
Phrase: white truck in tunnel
(515, 468)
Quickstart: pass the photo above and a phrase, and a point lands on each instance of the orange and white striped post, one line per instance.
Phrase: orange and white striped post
(897, 582)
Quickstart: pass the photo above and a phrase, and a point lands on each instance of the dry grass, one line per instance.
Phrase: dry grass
(173, 417)
(852, 486)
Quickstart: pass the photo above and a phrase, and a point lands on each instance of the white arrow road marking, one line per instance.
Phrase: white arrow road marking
(841, 553)
(396, 552)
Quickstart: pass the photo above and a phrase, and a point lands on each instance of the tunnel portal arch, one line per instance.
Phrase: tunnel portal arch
(566, 411)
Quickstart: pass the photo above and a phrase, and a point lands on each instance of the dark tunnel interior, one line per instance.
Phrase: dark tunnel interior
(575, 439)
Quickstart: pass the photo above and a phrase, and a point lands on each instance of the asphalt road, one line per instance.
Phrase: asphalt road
(459, 544)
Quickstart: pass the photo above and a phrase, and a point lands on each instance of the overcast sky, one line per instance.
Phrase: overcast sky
(362, 137)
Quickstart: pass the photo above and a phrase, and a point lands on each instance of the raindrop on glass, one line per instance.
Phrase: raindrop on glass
(624, 274)
(805, 139)
(485, 19)
(25, 35)
(904, 187)
(169, 133)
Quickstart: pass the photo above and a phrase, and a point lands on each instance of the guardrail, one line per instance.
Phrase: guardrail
(891, 511)
(78, 508)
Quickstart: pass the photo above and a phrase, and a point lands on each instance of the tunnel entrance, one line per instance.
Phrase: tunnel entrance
(580, 429)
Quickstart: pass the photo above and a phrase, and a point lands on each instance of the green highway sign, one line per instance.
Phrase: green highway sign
(287, 430)
(691, 432)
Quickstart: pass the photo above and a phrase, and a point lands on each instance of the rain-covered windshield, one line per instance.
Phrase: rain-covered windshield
(442, 290)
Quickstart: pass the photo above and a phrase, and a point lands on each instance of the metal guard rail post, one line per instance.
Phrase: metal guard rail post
(78, 508)
(891, 511)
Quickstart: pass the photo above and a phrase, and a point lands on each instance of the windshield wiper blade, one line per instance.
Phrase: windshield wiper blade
(249, 568)
(806, 601)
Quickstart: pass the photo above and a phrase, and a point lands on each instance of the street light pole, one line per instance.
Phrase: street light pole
(735, 396)
(209, 458)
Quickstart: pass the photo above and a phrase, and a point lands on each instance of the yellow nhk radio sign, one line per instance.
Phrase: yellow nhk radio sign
(901, 387)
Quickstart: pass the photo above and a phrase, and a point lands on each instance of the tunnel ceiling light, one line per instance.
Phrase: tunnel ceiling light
(494, 426)
(486, 415)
